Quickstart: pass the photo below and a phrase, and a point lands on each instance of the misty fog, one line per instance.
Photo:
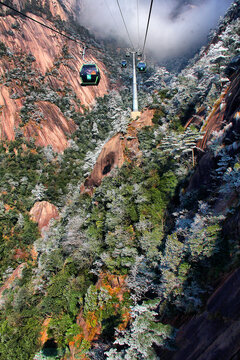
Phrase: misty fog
(176, 26)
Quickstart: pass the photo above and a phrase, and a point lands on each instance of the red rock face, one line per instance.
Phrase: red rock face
(8, 114)
(111, 156)
(53, 130)
(55, 7)
(47, 48)
(42, 212)
(196, 119)
(222, 118)
(223, 111)
(114, 152)
(214, 121)
(17, 273)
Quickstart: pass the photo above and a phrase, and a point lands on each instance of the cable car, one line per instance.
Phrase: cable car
(124, 64)
(139, 53)
(141, 66)
(89, 74)
(127, 54)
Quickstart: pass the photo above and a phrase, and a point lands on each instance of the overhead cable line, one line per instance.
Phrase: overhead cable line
(149, 16)
(125, 25)
(39, 22)
(138, 22)
(110, 11)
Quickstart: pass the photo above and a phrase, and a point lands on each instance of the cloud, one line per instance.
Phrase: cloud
(176, 26)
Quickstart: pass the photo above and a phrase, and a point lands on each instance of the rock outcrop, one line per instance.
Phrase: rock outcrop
(40, 62)
(42, 212)
(118, 149)
(16, 274)
(224, 121)
(215, 333)
(62, 9)
(112, 155)
(54, 128)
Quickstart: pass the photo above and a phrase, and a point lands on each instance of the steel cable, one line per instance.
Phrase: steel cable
(39, 22)
(149, 16)
(125, 25)
(138, 23)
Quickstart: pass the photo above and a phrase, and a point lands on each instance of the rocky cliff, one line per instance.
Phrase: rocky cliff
(40, 85)
(214, 334)
(42, 212)
(223, 124)
(155, 247)
(118, 149)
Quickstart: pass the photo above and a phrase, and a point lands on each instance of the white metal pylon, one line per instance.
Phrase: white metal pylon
(135, 95)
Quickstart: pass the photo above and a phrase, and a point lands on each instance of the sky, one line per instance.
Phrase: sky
(176, 26)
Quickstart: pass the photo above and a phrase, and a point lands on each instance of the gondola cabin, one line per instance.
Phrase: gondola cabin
(124, 64)
(89, 74)
(141, 66)
(139, 54)
(127, 54)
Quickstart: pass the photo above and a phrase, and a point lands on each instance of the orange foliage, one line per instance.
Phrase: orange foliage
(91, 328)
(20, 254)
(43, 333)
(126, 318)
(34, 254)
(8, 207)
(76, 340)
(115, 284)
(89, 324)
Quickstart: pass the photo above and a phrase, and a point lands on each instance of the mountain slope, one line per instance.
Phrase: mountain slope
(41, 67)
(124, 264)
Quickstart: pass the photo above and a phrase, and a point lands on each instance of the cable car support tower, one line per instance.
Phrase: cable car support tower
(135, 113)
